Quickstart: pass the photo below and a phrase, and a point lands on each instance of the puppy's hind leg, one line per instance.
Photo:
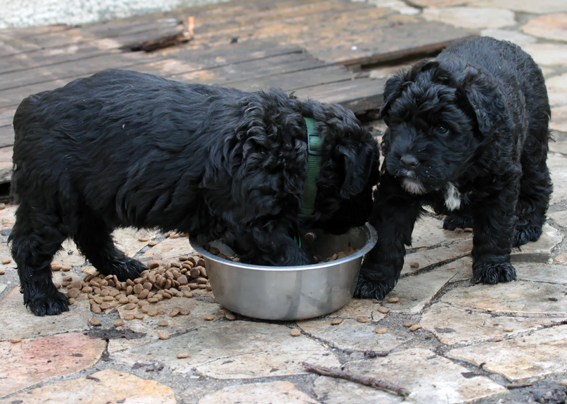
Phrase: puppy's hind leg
(453, 222)
(535, 191)
(35, 239)
(94, 239)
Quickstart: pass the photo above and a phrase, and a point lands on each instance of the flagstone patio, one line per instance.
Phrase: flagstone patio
(449, 340)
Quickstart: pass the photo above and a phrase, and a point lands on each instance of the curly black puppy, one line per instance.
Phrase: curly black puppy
(468, 135)
(123, 148)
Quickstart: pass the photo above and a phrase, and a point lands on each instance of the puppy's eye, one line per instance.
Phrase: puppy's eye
(442, 130)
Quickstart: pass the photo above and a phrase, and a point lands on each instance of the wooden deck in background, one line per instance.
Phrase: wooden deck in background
(310, 47)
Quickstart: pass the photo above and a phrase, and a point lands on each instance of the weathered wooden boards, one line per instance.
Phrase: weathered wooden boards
(304, 46)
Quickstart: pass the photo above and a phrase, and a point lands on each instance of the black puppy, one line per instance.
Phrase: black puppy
(468, 135)
(122, 148)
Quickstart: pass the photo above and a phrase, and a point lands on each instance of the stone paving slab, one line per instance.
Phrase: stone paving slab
(559, 140)
(359, 308)
(428, 232)
(259, 393)
(547, 54)
(557, 90)
(559, 123)
(526, 6)
(511, 36)
(538, 251)
(430, 379)
(515, 330)
(558, 167)
(458, 326)
(520, 297)
(542, 273)
(107, 386)
(426, 258)
(471, 17)
(30, 362)
(414, 292)
(170, 248)
(29, 326)
(351, 335)
(550, 26)
(131, 241)
(233, 350)
(543, 353)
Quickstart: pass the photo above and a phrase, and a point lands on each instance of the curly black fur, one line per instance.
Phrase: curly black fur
(122, 148)
(468, 135)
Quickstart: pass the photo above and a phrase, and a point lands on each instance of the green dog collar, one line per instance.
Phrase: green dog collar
(314, 143)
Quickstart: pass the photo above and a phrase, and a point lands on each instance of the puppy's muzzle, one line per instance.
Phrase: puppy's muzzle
(409, 161)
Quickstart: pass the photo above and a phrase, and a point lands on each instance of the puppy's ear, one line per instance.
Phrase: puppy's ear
(360, 165)
(396, 84)
(484, 99)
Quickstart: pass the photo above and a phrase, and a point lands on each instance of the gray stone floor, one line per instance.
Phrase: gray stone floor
(450, 341)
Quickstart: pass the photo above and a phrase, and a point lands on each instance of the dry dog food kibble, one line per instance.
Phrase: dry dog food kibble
(182, 355)
(336, 321)
(162, 280)
(235, 258)
(381, 331)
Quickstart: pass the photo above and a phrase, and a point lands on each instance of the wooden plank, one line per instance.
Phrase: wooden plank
(396, 42)
(55, 39)
(188, 60)
(49, 57)
(7, 116)
(293, 80)
(13, 97)
(82, 67)
(6, 164)
(357, 95)
(302, 14)
(24, 32)
(256, 70)
(298, 28)
(234, 9)
(6, 136)
(13, 44)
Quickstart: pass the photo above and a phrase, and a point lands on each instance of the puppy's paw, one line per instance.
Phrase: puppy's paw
(368, 289)
(490, 272)
(457, 222)
(49, 305)
(127, 269)
(525, 234)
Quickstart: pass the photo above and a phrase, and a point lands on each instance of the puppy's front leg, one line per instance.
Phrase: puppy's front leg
(395, 213)
(494, 226)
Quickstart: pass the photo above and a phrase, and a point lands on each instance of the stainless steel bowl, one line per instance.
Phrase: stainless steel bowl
(290, 293)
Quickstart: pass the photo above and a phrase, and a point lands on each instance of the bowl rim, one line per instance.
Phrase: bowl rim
(370, 243)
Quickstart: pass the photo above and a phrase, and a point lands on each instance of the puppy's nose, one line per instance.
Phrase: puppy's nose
(409, 161)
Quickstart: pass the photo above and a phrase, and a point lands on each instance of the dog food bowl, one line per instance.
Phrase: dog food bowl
(290, 293)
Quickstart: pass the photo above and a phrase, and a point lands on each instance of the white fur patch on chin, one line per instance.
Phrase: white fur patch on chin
(452, 197)
(413, 186)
